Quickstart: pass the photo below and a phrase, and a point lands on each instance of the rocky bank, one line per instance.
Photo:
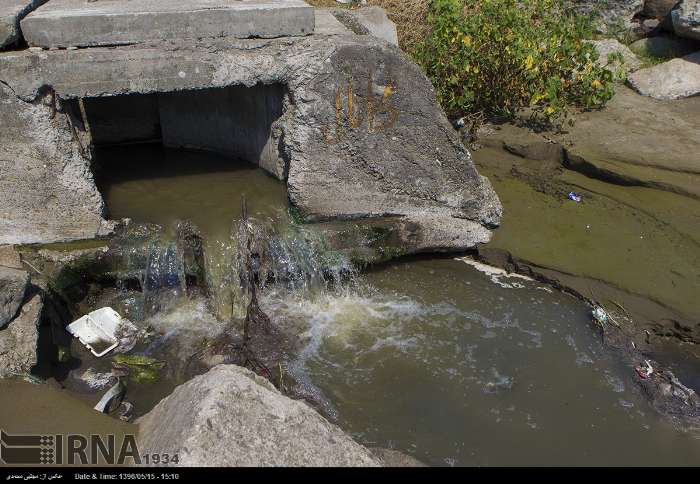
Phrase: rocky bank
(232, 417)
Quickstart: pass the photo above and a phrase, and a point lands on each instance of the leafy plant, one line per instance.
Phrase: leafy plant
(498, 57)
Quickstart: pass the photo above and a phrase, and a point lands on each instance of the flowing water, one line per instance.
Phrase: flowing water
(454, 365)
(458, 367)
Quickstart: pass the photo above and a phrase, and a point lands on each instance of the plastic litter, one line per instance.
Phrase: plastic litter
(112, 398)
(600, 315)
(645, 372)
(97, 330)
(574, 196)
(125, 412)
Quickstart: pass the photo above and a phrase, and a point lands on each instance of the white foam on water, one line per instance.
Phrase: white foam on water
(189, 322)
(496, 275)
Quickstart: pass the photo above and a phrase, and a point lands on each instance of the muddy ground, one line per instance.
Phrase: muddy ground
(633, 241)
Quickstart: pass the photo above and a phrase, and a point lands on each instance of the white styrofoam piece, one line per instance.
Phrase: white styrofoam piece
(98, 326)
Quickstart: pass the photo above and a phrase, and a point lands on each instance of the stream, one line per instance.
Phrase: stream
(444, 359)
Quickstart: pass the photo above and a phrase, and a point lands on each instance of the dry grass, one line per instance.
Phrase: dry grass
(410, 17)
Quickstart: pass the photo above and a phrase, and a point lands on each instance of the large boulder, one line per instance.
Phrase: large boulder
(686, 19)
(232, 417)
(13, 286)
(19, 340)
(658, 9)
(676, 79)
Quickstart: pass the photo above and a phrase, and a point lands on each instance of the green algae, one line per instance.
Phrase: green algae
(142, 369)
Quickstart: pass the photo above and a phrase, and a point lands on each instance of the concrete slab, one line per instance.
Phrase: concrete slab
(11, 12)
(65, 23)
(377, 22)
(369, 21)
(327, 24)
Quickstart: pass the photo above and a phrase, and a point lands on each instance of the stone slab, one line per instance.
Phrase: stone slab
(369, 21)
(327, 24)
(66, 23)
(377, 22)
(11, 12)
(676, 79)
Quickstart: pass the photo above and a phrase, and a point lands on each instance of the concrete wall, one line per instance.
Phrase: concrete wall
(47, 191)
(123, 119)
(234, 121)
(395, 155)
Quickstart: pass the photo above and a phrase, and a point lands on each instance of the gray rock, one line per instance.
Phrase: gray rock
(369, 21)
(19, 340)
(11, 12)
(658, 9)
(328, 24)
(13, 286)
(605, 47)
(651, 24)
(676, 79)
(613, 17)
(665, 46)
(396, 156)
(65, 23)
(686, 19)
(232, 417)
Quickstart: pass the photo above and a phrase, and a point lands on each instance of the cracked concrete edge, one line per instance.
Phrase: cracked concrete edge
(10, 18)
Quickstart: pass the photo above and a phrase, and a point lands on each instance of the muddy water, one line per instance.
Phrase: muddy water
(431, 356)
(47, 409)
(643, 240)
(151, 184)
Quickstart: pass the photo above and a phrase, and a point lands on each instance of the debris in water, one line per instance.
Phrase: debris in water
(574, 196)
(97, 330)
(112, 398)
(645, 372)
(499, 382)
(63, 354)
(600, 315)
(125, 412)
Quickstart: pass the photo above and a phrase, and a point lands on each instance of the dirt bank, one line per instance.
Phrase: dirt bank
(633, 242)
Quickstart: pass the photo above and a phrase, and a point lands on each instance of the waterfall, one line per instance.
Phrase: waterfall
(164, 276)
(284, 257)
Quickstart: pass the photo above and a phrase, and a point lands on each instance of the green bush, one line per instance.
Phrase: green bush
(496, 57)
